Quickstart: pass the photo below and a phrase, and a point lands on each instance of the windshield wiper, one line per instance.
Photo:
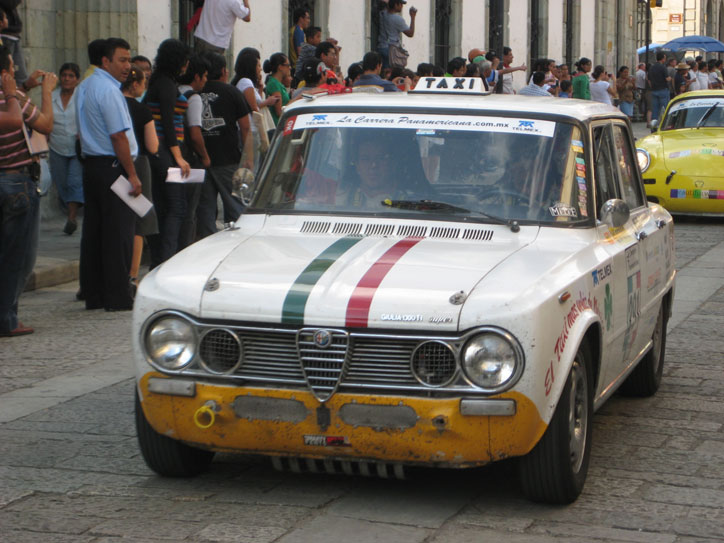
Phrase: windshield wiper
(706, 115)
(432, 205)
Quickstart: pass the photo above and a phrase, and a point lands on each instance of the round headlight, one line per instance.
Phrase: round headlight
(644, 159)
(491, 361)
(171, 342)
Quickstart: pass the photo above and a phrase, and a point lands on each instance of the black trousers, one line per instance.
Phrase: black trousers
(106, 245)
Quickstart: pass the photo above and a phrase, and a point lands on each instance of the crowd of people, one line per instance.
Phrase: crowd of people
(133, 117)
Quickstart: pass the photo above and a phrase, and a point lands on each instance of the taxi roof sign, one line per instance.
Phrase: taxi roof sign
(450, 85)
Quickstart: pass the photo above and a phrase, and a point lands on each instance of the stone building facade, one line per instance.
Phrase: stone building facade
(608, 31)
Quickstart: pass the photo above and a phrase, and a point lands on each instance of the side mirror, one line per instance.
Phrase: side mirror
(615, 213)
(654, 125)
(243, 185)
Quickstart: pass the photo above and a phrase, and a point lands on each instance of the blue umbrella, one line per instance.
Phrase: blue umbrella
(652, 47)
(696, 43)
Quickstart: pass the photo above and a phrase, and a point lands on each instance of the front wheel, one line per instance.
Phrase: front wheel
(555, 470)
(166, 456)
(645, 379)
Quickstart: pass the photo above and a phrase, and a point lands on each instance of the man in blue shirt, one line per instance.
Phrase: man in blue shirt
(372, 66)
(109, 147)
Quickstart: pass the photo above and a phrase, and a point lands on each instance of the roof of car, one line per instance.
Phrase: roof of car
(493, 103)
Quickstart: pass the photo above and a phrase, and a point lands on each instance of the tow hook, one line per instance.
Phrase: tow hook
(205, 416)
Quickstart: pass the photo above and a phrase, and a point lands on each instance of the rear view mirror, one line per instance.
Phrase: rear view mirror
(615, 213)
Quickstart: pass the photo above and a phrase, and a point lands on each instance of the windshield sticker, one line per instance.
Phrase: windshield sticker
(425, 132)
(680, 154)
(715, 152)
(690, 104)
(563, 210)
(577, 143)
(289, 126)
(471, 123)
(577, 149)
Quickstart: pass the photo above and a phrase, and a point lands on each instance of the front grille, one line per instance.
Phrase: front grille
(354, 361)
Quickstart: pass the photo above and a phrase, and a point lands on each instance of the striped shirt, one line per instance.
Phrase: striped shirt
(168, 107)
(179, 111)
(13, 149)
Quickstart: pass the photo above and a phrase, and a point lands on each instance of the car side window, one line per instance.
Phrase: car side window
(604, 166)
(630, 185)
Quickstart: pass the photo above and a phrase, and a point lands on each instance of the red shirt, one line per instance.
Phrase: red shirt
(13, 149)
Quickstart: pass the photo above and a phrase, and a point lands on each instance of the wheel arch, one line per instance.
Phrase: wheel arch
(593, 337)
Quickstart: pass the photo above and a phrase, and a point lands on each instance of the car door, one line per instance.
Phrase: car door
(651, 237)
(620, 290)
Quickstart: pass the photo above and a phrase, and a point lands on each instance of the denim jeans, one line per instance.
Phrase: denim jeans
(659, 99)
(19, 204)
(217, 183)
(626, 107)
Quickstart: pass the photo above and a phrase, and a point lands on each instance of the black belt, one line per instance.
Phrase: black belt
(100, 158)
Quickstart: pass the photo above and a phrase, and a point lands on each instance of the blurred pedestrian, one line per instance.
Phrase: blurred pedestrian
(565, 89)
(625, 87)
(278, 68)
(372, 67)
(217, 24)
(659, 79)
(226, 124)
(109, 148)
(302, 20)
(535, 87)
(681, 79)
(602, 88)
(168, 107)
(456, 67)
(581, 82)
(506, 73)
(313, 37)
(392, 26)
(19, 201)
(144, 130)
(66, 170)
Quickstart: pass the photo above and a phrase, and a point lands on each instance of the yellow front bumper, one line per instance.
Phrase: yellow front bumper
(275, 422)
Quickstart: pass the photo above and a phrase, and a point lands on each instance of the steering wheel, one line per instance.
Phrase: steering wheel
(500, 193)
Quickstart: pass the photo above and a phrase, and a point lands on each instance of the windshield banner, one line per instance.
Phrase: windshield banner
(426, 124)
(694, 102)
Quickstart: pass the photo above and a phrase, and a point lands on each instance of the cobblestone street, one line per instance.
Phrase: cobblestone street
(70, 468)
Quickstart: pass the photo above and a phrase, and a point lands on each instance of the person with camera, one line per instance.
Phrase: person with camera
(392, 26)
(19, 200)
(603, 86)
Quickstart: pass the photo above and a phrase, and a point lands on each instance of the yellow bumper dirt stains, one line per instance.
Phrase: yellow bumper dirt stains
(440, 434)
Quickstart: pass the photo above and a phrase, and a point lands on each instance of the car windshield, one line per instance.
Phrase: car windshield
(477, 167)
(689, 114)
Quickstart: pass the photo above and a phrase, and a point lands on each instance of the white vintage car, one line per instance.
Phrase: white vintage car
(419, 279)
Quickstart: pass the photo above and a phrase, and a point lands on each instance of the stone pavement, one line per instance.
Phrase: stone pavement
(70, 469)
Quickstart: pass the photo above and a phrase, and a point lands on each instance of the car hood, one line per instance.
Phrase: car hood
(288, 277)
(694, 152)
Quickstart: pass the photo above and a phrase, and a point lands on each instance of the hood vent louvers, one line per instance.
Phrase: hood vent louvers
(410, 231)
(379, 229)
(347, 228)
(392, 230)
(439, 232)
(315, 227)
(478, 235)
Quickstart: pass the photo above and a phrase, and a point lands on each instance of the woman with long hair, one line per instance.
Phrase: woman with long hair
(278, 68)
(247, 78)
(168, 107)
(145, 131)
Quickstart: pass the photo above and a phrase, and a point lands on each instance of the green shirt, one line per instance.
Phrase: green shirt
(581, 88)
(272, 86)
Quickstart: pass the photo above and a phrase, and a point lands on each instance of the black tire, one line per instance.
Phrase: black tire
(645, 379)
(167, 456)
(555, 470)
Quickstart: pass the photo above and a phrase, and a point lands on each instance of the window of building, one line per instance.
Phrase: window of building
(443, 17)
(496, 26)
(572, 31)
(186, 22)
(538, 29)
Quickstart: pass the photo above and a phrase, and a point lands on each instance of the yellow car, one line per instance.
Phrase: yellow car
(682, 161)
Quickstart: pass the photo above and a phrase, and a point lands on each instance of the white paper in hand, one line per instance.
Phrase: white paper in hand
(139, 204)
(195, 176)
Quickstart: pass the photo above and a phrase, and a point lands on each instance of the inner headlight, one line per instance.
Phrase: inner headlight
(492, 361)
(644, 159)
(171, 342)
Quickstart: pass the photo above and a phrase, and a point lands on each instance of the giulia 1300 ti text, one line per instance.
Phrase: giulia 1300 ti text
(434, 278)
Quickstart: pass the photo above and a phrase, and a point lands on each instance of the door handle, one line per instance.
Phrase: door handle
(660, 224)
(641, 235)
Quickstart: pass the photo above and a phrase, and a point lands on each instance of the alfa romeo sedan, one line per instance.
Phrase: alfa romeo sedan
(440, 278)
(683, 159)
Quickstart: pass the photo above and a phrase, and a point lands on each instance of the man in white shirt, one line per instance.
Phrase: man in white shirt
(693, 74)
(703, 75)
(217, 24)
